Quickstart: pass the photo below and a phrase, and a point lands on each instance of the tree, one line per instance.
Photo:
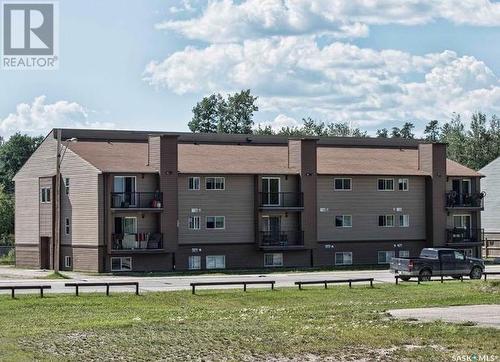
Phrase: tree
(344, 129)
(431, 131)
(208, 114)
(13, 154)
(266, 130)
(396, 132)
(406, 130)
(382, 133)
(6, 215)
(240, 109)
(453, 133)
(478, 143)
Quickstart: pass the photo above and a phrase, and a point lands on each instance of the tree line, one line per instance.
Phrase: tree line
(474, 146)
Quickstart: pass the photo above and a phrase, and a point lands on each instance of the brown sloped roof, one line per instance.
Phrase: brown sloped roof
(204, 158)
(114, 156)
(368, 161)
(261, 159)
(455, 169)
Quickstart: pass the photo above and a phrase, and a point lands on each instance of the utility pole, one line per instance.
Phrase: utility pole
(57, 199)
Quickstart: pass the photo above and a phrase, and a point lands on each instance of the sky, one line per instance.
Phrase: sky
(135, 64)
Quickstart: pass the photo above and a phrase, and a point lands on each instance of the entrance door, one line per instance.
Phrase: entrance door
(44, 253)
(125, 187)
(272, 228)
(271, 191)
(462, 227)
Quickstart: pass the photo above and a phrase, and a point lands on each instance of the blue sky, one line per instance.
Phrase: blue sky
(144, 64)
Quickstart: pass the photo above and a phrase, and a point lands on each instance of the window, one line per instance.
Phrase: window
(384, 257)
(194, 262)
(130, 225)
(45, 195)
(404, 221)
(216, 222)
(343, 221)
(403, 184)
(386, 220)
(67, 261)
(67, 226)
(271, 191)
(342, 184)
(216, 261)
(343, 258)
(467, 252)
(385, 184)
(194, 222)
(214, 183)
(404, 253)
(194, 183)
(66, 185)
(273, 259)
(124, 191)
(121, 264)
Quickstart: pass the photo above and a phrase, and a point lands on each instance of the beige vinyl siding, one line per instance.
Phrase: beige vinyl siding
(365, 203)
(46, 208)
(236, 203)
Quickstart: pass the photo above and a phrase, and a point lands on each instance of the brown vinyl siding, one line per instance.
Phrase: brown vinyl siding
(235, 202)
(365, 203)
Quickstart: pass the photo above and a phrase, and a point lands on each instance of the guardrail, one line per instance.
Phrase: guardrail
(13, 288)
(419, 279)
(137, 200)
(107, 285)
(335, 281)
(490, 273)
(465, 200)
(244, 283)
(281, 199)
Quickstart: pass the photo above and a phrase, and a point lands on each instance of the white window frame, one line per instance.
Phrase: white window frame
(343, 221)
(44, 192)
(215, 223)
(67, 226)
(194, 181)
(403, 253)
(215, 183)
(268, 191)
(404, 221)
(194, 222)
(134, 219)
(194, 262)
(386, 217)
(277, 260)
(216, 266)
(121, 258)
(67, 261)
(134, 199)
(66, 185)
(405, 183)
(342, 179)
(385, 184)
(344, 254)
(391, 254)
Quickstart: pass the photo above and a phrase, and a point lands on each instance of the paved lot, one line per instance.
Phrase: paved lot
(9, 275)
(481, 315)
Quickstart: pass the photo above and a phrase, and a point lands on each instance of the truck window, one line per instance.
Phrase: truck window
(459, 256)
(428, 254)
(447, 255)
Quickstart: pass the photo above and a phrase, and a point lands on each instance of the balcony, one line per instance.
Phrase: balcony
(464, 236)
(281, 200)
(280, 240)
(152, 201)
(140, 242)
(455, 200)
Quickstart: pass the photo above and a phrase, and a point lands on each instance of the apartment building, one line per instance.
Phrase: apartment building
(491, 213)
(151, 201)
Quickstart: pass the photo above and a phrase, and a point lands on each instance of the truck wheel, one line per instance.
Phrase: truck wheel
(476, 273)
(404, 278)
(425, 275)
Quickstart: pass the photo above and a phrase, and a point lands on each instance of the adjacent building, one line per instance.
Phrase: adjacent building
(491, 213)
(152, 201)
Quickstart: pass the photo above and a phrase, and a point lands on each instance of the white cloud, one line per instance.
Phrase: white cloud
(39, 117)
(230, 21)
(280, 121)
(335, 82)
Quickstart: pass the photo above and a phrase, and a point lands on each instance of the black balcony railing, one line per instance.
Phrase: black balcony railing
(137, 200)
(464, 235)
(281, 199)
(473, 200)
(281, 238)
(139, 241)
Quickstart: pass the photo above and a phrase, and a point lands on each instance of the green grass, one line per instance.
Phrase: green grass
(286, 324)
